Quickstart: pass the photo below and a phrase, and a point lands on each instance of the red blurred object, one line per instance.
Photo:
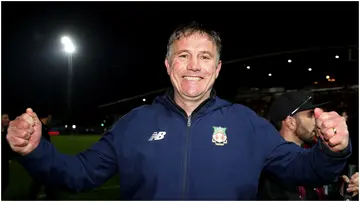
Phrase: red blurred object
(54, 133)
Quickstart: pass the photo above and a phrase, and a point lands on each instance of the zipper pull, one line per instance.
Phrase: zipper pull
(189, 121)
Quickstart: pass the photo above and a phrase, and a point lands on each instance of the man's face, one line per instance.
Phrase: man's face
(46, 120)
(345, 115)
(5, 120)
(305, 126)
(193, 66)
(49, 118)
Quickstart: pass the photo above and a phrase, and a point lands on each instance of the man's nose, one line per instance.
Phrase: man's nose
(194, 65)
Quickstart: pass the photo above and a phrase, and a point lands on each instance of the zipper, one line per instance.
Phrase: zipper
(186, 150)
(187, 139)
(186, 158)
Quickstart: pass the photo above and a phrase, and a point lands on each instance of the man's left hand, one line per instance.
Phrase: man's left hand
(332, 129)
(353, 184)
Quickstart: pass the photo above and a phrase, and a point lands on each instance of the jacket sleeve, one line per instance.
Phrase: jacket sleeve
(85, 171)
(291, 163)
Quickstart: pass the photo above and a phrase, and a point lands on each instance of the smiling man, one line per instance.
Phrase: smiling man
(188, 144)
(193, 64)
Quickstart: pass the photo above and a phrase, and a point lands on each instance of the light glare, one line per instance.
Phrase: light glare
(69, 47)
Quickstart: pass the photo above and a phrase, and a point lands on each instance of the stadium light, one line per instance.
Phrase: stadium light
(289, 61)
(102, 125)
(270, 74)
(336, 56)
(309, 69)
(248, 67)
(327, 77)
(65, 40)
(65, 126)
(144, 100)
(69, 48)
(73, 126)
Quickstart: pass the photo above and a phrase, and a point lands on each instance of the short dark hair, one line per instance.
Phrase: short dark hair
(191, 28)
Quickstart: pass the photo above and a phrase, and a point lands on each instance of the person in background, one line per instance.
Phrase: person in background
(6, 154)
(45, 116)
(345, 115)
(292, 114)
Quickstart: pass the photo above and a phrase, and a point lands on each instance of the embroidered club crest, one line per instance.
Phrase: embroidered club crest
(219, 136)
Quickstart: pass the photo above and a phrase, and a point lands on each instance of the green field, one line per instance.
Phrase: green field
(20, 180)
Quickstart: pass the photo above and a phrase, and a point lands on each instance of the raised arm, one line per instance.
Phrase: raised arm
(84, 171)
(319, 165)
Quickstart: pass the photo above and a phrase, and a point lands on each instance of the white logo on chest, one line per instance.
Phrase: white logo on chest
(157, 136)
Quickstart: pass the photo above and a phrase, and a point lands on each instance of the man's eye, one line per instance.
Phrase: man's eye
(205, 57)
(182, 56)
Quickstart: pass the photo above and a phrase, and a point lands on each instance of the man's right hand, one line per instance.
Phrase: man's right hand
(24, 133)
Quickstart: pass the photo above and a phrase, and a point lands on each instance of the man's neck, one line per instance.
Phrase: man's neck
(189, 105)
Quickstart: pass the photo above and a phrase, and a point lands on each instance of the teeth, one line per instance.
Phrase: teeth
(192, 78)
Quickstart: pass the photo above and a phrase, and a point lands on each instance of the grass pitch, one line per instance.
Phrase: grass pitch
(20, 180)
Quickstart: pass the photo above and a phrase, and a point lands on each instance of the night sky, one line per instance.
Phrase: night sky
(121, 46)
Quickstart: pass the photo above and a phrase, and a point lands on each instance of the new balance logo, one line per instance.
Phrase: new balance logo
(157, 136)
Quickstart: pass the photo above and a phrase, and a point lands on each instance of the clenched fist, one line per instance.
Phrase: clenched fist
(332, 129)
(24, 133)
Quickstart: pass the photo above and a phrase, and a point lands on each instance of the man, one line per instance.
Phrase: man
(6, 154)
(5, 120)
(189, 144)
(345, 115)
(292, 114)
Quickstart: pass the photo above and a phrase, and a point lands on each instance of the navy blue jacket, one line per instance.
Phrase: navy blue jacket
(217, 153)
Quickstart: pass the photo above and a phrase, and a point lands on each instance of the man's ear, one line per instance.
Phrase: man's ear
(167, 65)
(290, 122)
(218, 68)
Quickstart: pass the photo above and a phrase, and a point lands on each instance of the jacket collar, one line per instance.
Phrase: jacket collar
(210, 104)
